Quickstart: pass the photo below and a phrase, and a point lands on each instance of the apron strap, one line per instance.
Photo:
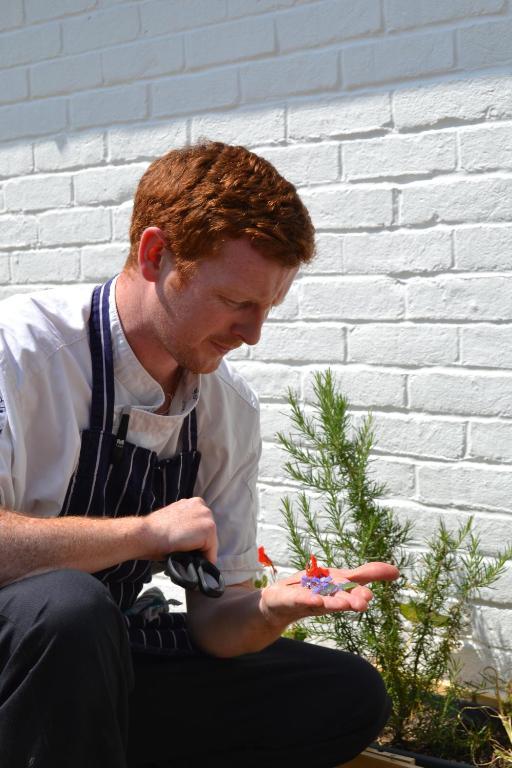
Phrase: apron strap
(189, 432)
(102, 405)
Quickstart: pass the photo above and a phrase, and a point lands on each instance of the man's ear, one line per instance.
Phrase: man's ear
(151, 248)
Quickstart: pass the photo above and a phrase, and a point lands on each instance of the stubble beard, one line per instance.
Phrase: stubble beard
(190, 359)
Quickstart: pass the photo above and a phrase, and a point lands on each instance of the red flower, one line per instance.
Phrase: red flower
(312, 569)
(264, 559)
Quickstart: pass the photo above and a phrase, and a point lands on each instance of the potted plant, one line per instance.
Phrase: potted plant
(415, 624)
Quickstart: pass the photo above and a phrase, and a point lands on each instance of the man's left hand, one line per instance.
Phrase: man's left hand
(286, 600)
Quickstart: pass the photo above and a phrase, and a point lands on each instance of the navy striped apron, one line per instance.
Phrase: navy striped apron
(115, 478)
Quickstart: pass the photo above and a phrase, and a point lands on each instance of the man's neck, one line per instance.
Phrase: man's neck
(136, 325)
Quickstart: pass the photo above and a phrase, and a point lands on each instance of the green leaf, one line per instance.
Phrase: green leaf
(410, 612)
(438, 620)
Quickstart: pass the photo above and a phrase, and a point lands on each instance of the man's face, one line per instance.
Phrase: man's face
(220, 306)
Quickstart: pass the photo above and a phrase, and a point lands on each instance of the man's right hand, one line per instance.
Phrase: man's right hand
(180, 527)
(36, 545)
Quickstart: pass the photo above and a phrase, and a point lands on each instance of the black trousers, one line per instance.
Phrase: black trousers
(72, 695)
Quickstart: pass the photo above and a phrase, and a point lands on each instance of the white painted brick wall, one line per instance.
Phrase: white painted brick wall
(33, 193)
(13, 85)
(394, 119)
(361, 298)
(100, 29)
(32, 119)
(64, 152)
(264, 125)
(487, 345)
(403, 345)
(484, 248)
(107, 185)
(418, 436)
(402, 14)
(210, 90)
(491, 440)
(308, 27)
(392, 59)
(103, 107)
(234, 41)
(455, 202)
(484, 149)
(399, 156)
(30, 44)
(453, 102)
(398, 252)
(318, 164)
(74, 73)
(350, 207)
(460, 298)
(338, 117)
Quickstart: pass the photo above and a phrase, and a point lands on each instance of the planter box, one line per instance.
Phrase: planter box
(377, 758)
(373, 758)
(384, 757)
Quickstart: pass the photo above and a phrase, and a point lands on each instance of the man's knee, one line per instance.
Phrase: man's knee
(350, 688)
(354, 700)
(65, 606)
(65, 670)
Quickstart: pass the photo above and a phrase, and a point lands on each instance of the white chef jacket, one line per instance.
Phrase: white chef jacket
(45, 388)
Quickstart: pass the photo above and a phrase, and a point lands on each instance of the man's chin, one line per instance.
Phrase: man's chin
(206, 362)
(205, 366)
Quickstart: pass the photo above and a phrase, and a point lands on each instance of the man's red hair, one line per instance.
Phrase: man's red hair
(203, 195)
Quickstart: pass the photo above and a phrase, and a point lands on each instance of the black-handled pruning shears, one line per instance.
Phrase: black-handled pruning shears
(191, 570)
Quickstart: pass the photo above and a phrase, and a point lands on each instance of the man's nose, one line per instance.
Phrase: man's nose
(249, 329)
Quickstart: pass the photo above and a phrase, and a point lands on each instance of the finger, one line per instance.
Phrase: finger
(361, 593)
(317, 604)
(373, 572)
(360, 599)
(358, 595)
(210, 549)
(355, 600)
(361, 575)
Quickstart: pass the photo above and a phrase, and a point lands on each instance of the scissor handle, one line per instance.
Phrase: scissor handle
(190, 571)
(181, 569)
(213, 587)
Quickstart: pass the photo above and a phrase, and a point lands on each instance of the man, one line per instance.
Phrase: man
(126, 437)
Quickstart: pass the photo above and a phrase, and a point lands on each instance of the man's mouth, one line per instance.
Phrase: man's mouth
(223, 349)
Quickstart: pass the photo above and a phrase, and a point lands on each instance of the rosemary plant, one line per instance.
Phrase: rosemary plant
(413, 625)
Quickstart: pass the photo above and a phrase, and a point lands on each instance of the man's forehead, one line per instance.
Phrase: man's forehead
(241, 269)
(271, 286)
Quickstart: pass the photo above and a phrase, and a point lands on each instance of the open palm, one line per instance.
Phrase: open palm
(287, 600)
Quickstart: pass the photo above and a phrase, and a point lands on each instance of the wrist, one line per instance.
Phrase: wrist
(273, 619)
(138, 538)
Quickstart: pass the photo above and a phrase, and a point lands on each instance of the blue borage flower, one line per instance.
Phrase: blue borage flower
(325, 586)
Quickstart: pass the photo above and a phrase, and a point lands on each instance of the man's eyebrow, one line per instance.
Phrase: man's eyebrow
(243, 298)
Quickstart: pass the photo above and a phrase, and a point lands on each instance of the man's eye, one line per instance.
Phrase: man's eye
(236, 304)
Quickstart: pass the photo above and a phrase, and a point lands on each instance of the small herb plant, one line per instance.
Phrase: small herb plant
(500, 709)
(502, 754)
(414, 624)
